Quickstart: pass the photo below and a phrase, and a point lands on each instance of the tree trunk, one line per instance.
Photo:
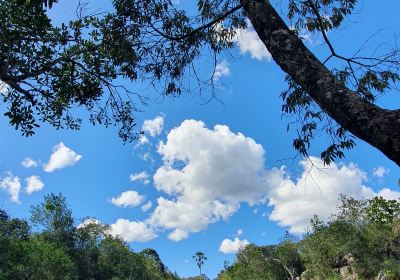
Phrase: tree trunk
(378, 127)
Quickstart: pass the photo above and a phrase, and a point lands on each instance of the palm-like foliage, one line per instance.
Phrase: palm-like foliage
(199, 258)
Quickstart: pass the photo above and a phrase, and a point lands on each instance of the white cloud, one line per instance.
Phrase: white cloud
(239, 232)
(147, 206)
(4, 88)
(178, 235)
(89, 221)
(207, 173)
(380, 171)
(132, 231)
(61, 157)
(249, 42)
(154, 126)
(206, 189)
(33, 184)
(12, 185)
(142, 176)
(143, 140)
(229, 246)
(315, 192)
(221, 70)
(147, 157)
(29, 163)
(128, 199)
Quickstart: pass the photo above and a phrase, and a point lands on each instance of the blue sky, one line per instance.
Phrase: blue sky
(206, 177)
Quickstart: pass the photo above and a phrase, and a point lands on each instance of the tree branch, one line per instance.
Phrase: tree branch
(200, 28)
(379, 127)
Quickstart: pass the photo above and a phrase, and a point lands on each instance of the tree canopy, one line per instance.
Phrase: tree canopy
(360, 241)
(51, 246)
(50, 70)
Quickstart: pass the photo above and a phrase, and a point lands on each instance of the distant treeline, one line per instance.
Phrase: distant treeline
(57, 249)
(361, 241)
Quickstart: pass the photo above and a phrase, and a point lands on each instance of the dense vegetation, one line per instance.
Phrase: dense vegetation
(361, 241)
(57, 249)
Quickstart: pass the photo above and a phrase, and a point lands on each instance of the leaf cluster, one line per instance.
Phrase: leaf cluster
(52, 247)
(360, 241)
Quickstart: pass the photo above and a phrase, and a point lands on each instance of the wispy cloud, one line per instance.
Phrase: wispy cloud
(380, 171)
(145, 207)
(142, 176)
(221, 70)
(29, 163)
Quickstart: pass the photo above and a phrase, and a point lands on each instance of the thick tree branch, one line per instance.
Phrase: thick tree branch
(379, 127)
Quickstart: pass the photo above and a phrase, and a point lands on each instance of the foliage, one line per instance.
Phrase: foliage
(59, 250)
(199, 259)
(24, 256)
(51, 70)
(76, 64)
(255, 262)
(368, 76)
(55, 218)
(35, 259)
(361, 241)
(364, 236)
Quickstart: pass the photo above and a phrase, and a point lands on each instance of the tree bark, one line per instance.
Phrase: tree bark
(377, 126)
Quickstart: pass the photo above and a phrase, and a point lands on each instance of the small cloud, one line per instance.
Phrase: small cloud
(12, 185)
(4, 89)
(147, 206)
(221, 70)
(142, 176)
(128, 199)
(380, 171)
(61, 157)
(143, 140)
(239, 232)
(255, 211)
(229, 246)
(147, 157)
(249, 42)
(264, 214)
(33, 184)
(29, 163)
(89, 221)
(154, 126)
(178, 235)
(132, 231)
